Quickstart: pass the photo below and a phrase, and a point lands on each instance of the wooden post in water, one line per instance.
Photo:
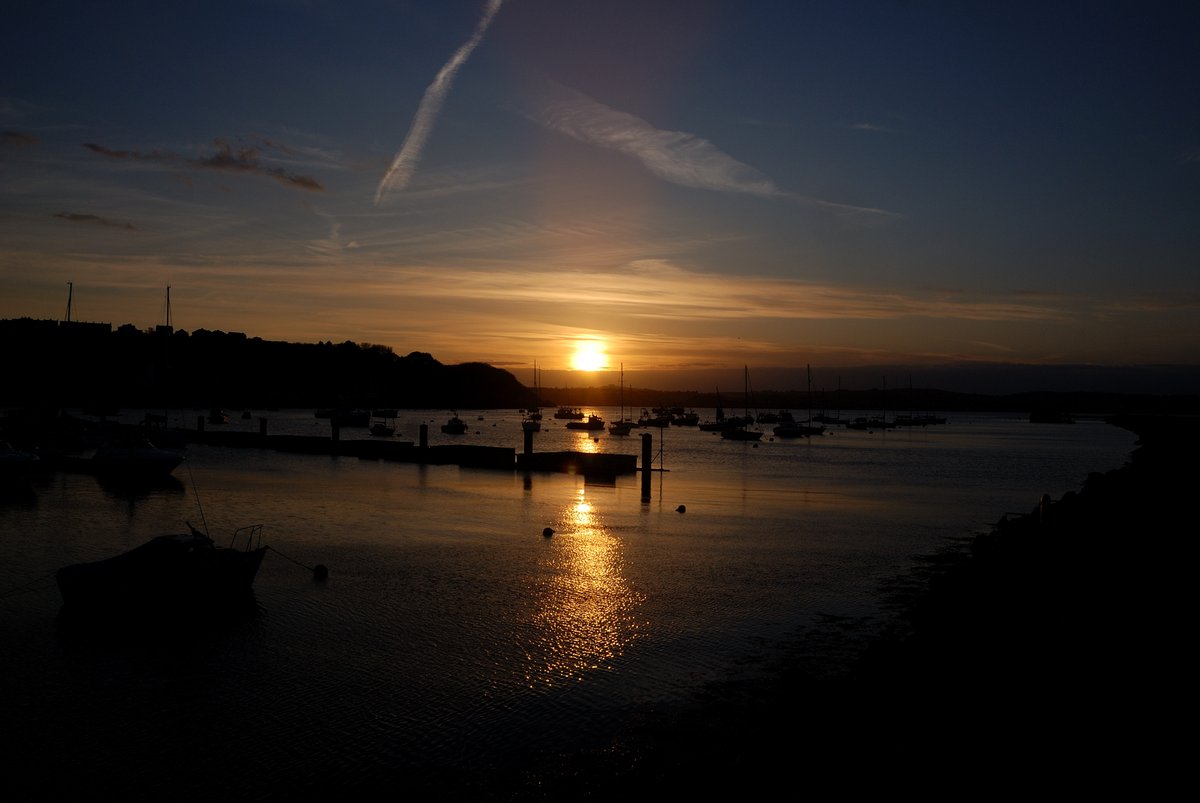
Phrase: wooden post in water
(424, 436)
(528, 441)
(262, 427)
(646, 459)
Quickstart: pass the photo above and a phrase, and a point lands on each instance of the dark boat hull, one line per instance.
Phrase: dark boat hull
(169, 572)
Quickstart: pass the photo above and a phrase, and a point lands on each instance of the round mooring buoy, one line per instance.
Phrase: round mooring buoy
(547, 532)
(681, 509)
(320, 572)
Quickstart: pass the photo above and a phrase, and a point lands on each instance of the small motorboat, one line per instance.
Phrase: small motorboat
(168, 573)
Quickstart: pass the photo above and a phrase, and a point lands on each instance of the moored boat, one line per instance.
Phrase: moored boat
(134, 459)
(166, 574)
(592, 422)
(454, 426)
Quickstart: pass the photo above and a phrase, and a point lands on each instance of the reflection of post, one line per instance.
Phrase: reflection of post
(646, 446)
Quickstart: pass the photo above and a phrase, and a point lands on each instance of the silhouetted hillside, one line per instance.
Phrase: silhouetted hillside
(91, 365)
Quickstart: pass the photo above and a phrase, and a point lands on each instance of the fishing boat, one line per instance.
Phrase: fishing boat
(455, 426)
(739, 431)
(165, 575)
(658, 417)
(591, 423)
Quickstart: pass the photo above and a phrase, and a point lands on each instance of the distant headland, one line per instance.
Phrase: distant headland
(71, 364)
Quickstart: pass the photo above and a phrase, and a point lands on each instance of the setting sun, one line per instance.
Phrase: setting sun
(589, 356)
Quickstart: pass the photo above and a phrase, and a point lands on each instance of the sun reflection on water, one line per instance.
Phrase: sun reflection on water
(586, 609)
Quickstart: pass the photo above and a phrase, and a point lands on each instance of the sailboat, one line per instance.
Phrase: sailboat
(532, 420)
(719, 423)
(798, 429)
(622, 425)
(739, 432)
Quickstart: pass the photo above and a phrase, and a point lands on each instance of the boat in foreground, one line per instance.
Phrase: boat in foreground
(167, 574)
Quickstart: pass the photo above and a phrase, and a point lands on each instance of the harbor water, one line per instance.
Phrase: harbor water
(452, 635)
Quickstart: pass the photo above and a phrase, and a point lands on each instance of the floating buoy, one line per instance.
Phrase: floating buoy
(681, 509)
(547, 532)
(320, 573)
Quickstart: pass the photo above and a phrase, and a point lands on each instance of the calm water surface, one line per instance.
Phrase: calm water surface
(450, 632)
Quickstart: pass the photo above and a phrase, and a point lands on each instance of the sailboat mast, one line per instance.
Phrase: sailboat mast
(70, 292)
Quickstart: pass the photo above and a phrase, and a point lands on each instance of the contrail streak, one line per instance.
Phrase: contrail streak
(401, 171)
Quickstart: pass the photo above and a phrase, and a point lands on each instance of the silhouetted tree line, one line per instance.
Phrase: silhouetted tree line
(52, 364)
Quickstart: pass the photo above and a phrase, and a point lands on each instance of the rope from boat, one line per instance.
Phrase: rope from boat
(319, 571)
(196, 492)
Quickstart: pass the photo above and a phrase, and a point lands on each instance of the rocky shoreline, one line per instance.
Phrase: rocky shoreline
(1044, 655)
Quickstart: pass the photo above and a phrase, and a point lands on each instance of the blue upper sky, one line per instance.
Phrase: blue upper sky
(680, 185)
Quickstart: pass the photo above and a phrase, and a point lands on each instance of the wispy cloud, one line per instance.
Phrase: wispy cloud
(675, 156)
(869, 127)
(405, 163)
(76, 217)
(244, 158)
(16, 139)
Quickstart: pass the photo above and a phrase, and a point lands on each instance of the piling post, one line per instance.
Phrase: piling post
(199, 423)
(528, 441)
(424, 436)
(647, 438)
(262, 427)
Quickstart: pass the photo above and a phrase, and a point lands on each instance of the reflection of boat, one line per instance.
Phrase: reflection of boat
(455, 426)
(134, 459)
(592, 422)
(165, 574)
(569, 413)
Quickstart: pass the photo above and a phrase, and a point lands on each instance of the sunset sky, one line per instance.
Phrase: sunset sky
(683, 185)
